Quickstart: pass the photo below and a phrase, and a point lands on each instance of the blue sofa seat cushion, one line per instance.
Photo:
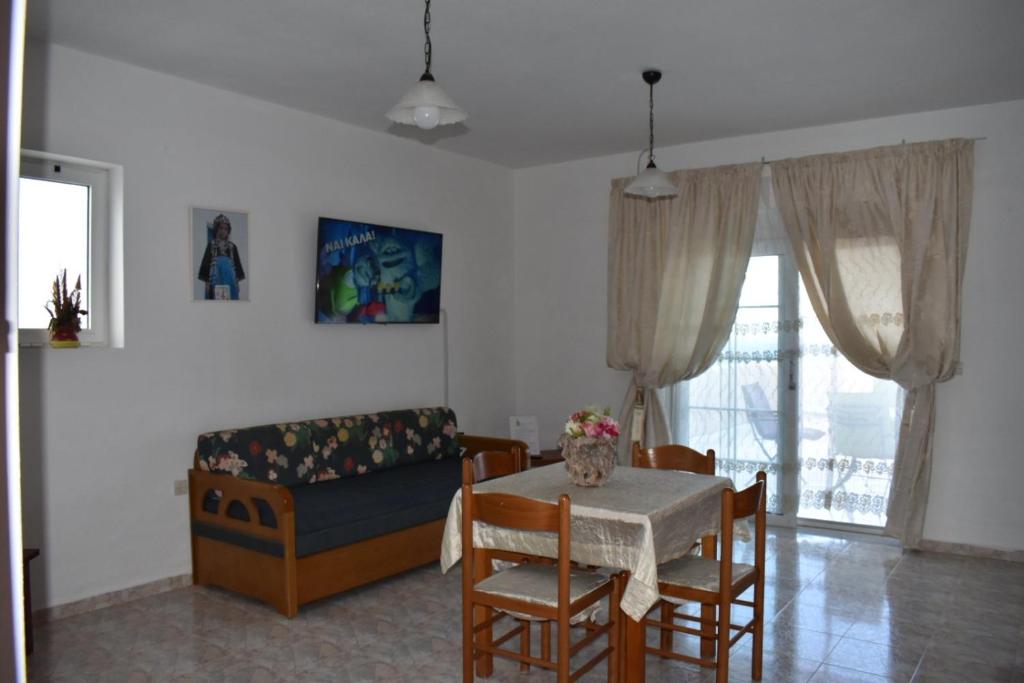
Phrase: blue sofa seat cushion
(339, 512)
(343, 511)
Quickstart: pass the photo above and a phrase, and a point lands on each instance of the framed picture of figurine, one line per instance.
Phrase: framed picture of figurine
(219, 267)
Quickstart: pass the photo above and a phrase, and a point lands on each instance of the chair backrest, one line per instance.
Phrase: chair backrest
(491, 464)
(516, 512)
(472, 446)
(860, 426)
(759, 412)
(674, 457)
(750, 502)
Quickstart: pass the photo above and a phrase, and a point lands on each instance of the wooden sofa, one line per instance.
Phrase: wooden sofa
(259, 496)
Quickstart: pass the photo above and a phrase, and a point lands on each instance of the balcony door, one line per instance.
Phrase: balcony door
(782, 399)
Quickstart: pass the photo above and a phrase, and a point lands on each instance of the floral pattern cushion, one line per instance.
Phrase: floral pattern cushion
(317, 450)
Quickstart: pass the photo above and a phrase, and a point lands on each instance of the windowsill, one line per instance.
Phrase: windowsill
(84, 345)
(42, 343)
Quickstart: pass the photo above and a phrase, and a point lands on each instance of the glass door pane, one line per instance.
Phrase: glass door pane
(733, 407)
(846, 471)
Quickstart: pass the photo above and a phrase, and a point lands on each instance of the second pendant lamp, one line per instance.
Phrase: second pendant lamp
(425, 105)
(652, 183)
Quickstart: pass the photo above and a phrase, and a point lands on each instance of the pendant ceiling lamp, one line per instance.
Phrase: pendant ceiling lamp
(653, 183)
(425, 104)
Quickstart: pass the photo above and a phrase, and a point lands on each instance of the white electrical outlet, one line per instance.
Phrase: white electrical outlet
(180, 487)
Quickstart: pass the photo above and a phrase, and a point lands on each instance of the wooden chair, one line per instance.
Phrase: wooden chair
(674, 457)
(491, 465)
(678, 457)
(720, 583)
(546, 593)
(482, 444)
(486, 465)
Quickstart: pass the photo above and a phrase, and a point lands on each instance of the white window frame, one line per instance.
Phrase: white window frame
(105, 240)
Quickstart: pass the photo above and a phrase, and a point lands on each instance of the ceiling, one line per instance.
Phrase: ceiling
(551, 80)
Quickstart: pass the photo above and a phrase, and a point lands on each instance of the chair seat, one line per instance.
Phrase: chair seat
(538, 584)
(698, 573)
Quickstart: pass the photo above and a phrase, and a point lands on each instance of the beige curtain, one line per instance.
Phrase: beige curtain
(675, 269)
(880, 238)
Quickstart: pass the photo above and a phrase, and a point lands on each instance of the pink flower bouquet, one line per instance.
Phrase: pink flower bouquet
(592, 422)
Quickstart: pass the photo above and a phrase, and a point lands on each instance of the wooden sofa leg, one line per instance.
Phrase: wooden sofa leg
(287, 603)
(287, 610)
(291, 582)
(289, 607)
(197, 574)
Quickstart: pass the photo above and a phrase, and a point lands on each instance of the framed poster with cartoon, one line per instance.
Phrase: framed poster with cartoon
(368, 273)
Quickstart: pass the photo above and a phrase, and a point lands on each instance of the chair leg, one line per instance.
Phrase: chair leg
(613, 634)
(563, 652)
(524, 643)
(485, 663)
(758, 652)
(708, 550)
(667, 617)
(467, 641)
(722, 659)
(622, 637)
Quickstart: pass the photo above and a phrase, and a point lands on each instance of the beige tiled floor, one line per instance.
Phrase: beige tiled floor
(838, 609)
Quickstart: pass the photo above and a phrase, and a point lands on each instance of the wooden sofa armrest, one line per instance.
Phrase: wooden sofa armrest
(246, 492)
(477, 444)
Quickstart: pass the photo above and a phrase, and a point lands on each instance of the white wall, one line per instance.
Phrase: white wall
(106, 432)
(561, 228)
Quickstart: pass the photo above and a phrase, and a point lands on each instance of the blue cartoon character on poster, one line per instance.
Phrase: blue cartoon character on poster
(377, 274)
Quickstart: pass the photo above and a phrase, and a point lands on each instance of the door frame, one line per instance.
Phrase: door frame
(12, 620)
(788, 388)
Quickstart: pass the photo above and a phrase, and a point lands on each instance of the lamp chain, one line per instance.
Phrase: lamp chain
(650, 154)
(427, 47)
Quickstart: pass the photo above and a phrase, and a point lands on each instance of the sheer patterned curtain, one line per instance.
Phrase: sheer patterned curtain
(675, 268)
(880, 239)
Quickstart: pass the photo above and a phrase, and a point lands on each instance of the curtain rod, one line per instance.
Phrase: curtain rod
(767, 162)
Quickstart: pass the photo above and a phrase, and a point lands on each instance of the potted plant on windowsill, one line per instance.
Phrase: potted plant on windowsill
(65, 316)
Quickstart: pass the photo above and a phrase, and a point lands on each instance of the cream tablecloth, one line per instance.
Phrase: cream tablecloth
(640, 518)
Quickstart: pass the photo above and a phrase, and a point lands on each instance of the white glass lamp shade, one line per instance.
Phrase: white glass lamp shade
(425, 105)
(652, 183)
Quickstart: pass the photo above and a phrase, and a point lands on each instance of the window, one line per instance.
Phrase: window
(69, 217)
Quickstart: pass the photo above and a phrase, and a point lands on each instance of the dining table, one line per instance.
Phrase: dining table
(637, 520)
